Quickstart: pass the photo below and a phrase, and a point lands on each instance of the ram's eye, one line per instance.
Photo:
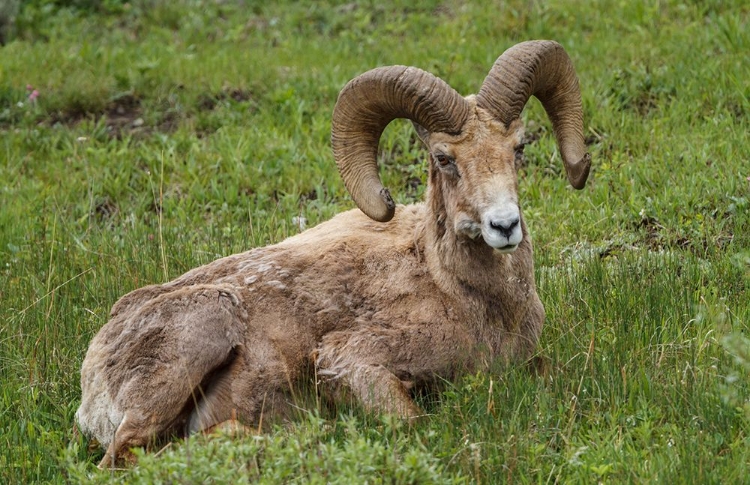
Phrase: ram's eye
(443, 160)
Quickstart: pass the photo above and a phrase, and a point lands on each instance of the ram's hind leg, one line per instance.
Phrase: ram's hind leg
(177, 343)
(126, 437)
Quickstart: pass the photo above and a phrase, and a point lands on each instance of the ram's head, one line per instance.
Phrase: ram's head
(472, 141)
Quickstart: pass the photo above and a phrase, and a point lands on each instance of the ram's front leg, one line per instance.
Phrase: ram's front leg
(378, 364)
(379, 390)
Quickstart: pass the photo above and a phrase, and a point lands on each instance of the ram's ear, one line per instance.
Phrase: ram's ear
(422, 133)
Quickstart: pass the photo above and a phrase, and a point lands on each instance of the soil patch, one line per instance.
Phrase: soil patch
(122, 115)
(209, 102)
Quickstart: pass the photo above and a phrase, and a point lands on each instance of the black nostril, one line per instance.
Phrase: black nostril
(505, 227)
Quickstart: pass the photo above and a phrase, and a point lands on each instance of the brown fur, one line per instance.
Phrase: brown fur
(374, 308)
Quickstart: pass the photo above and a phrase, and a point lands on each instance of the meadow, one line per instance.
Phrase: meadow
(141, 139)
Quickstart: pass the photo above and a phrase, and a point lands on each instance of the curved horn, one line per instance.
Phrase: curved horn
(541, 68)
(365, 107)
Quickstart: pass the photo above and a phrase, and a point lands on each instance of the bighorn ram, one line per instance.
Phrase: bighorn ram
(373, 301)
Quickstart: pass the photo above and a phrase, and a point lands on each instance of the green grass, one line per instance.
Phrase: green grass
(167, 134)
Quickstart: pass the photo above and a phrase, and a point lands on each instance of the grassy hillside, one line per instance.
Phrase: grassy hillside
(141, 139)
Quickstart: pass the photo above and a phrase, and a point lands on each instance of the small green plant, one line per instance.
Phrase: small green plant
(311, 450)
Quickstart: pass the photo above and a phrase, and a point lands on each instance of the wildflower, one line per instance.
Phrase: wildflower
(33, 95)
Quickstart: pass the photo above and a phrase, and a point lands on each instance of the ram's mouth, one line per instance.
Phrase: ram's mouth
(507, 249)
(467, 227)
